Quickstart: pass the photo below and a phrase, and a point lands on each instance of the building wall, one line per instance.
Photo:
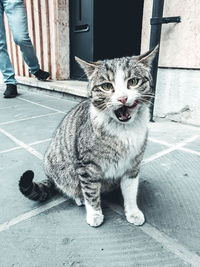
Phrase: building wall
(179, 41)
(178, 81)
(48, 22)
(178, 95)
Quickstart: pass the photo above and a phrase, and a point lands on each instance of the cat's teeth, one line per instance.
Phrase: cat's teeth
(125, 117)
(122, 114)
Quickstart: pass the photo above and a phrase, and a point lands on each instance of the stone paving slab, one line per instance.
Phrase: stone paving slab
(21, 111)
(172, 132)
(6, 143)
(153, 148)
(12, 165)
(169, 196)
(59, 103)
(35, 129)
(42, 147)
(194, 145)
(61, 237)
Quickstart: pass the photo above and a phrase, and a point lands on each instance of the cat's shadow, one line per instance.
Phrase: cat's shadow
(114, 197)
(145, 195)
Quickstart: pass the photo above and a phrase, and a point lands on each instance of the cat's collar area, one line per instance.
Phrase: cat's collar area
(123, 113)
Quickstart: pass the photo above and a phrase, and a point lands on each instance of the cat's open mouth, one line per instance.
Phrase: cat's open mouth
(123, 113)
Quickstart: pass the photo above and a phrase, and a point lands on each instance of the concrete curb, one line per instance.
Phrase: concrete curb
(72, 87)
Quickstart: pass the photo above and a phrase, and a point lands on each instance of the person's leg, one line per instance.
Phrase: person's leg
(17, 19)
(5, 63)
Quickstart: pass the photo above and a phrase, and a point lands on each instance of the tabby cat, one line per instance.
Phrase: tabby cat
(100, 143)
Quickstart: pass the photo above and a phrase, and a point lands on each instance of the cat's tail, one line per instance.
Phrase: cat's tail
(36, 191)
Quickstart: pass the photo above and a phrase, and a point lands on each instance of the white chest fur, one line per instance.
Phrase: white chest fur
(131, 135)
(133, 141)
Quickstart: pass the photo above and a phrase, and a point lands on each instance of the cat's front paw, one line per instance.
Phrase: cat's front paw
(136, 217)
(95, 219)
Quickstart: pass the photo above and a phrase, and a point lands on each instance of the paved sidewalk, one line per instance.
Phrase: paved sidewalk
(56, 234)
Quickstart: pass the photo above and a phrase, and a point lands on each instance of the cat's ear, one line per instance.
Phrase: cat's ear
(147, 58)
(88, 67)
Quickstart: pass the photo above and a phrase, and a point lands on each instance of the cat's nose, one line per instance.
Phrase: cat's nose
(123, 99)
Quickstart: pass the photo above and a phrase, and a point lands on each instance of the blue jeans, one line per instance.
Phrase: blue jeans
(16, 15)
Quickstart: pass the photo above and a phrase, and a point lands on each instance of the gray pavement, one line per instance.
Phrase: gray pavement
(56, 234)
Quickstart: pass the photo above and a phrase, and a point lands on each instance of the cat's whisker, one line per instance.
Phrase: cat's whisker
(145, 101)
(142, 100)
(148, 95)
(80, 78)
(110, 105)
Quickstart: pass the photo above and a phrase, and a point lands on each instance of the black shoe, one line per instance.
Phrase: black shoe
(11, 91)
(42, 75)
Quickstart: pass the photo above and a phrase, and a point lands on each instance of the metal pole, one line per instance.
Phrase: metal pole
(157, 12)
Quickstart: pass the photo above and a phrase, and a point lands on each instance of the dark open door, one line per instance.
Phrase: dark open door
(81, 34)
(104, 29)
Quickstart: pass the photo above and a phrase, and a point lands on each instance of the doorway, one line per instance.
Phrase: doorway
(104, 30)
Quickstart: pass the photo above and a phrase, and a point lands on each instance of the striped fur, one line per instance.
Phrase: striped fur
(36, 191)
(100, 143)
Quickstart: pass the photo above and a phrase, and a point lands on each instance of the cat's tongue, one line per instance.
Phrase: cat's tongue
(123, 114)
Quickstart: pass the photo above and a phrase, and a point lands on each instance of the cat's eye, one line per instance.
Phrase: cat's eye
(132, 82)
(107, 86)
